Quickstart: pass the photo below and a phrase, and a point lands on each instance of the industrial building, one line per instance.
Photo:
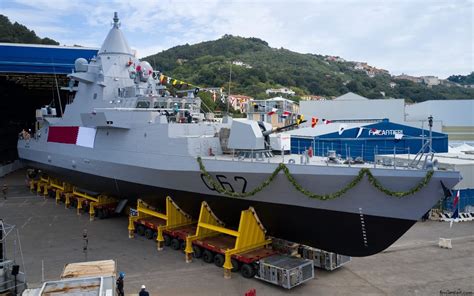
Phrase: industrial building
(365, 140)
(277, 111)
(454, 117)
(457, 116)
(32, 76)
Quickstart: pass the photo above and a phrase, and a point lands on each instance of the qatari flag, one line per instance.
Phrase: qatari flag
(76, 135)
(455, 206)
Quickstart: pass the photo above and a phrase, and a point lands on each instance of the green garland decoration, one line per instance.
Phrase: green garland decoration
(282, 167)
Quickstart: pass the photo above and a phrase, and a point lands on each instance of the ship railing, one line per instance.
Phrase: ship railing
(142, 109)
(393, 161)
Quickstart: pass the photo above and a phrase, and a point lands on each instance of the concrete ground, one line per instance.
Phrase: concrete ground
(52, 236)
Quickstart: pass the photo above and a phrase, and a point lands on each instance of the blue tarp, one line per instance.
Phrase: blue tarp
(374, 139)
(466, 199)
(34, 59)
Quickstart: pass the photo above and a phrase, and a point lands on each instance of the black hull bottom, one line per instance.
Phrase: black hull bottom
(339, 232)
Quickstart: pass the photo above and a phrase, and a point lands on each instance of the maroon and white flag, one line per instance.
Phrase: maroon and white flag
(76, 135)
(273, 111)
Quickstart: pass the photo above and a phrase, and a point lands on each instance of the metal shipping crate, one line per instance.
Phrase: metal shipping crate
(285, 271)
(323, 259)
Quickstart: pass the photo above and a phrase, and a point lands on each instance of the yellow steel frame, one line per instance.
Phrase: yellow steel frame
(60, 188)
(42, 186)
(251, 234)
(100, 200)
(174, 217)
(33, 184)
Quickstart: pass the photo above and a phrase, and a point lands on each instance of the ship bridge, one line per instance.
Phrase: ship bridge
(31, 76)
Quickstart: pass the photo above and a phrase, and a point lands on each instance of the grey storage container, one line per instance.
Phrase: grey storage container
(285, 271)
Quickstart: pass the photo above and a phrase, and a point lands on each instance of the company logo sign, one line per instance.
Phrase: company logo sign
(377, 132)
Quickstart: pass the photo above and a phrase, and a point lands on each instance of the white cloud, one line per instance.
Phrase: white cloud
(416, 37)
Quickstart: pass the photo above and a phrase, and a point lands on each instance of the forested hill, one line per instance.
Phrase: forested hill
(18, 33)
(462, 79)
(258, 67)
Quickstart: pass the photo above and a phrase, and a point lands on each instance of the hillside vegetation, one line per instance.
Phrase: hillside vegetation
(462, 79)
(208, 64)
(17, 33)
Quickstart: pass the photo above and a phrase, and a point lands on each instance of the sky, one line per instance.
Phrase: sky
(415, 37)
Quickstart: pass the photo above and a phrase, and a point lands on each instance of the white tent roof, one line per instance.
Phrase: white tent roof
(322, 129)
(461, 148)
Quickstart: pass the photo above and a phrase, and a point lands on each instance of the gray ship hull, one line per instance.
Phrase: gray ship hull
(362, 222)
(331, 230)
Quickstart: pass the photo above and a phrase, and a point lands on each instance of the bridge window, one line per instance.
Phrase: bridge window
(143, 104)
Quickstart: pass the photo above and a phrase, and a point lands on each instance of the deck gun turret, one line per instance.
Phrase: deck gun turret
(249, 136)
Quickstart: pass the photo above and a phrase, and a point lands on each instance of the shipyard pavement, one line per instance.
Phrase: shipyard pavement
(52, 236)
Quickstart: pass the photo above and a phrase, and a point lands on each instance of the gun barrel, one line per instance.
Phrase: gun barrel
(279, 129)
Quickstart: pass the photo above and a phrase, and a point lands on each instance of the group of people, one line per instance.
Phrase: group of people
(120, 292)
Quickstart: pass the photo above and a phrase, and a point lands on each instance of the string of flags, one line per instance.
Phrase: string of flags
(315, 120)
(179, 84)
(175, 82)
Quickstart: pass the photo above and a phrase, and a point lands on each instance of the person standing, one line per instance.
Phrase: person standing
(143, 291)
(120, 284)
(5, 190)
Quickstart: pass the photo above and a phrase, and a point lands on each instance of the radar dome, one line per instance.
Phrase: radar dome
(144, 70)
(80, 65)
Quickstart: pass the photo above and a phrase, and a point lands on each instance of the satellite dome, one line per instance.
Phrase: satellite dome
(144, 70)
(80, 65)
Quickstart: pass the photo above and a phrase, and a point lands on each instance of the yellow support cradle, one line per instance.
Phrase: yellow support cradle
(42, 186)
(249, 236)
(33, 184)
(174, 217)
(94, 201)
(60, 188)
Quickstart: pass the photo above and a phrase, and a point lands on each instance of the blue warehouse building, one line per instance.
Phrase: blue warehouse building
(31, 76)
(41, 59)
(352, 139)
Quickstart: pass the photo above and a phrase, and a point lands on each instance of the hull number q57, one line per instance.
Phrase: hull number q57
(236, 184)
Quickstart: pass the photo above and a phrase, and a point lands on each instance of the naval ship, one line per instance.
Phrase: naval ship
(124, 135)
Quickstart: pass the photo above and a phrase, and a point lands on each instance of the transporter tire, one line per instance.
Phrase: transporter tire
(141, 230)
(175, 244)
(247, 271)
(106, 213)
(219, 260)
(197, 251)
(167, 239)
(208, 256)
(100, 214)
(235, 265)
(149, 233)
